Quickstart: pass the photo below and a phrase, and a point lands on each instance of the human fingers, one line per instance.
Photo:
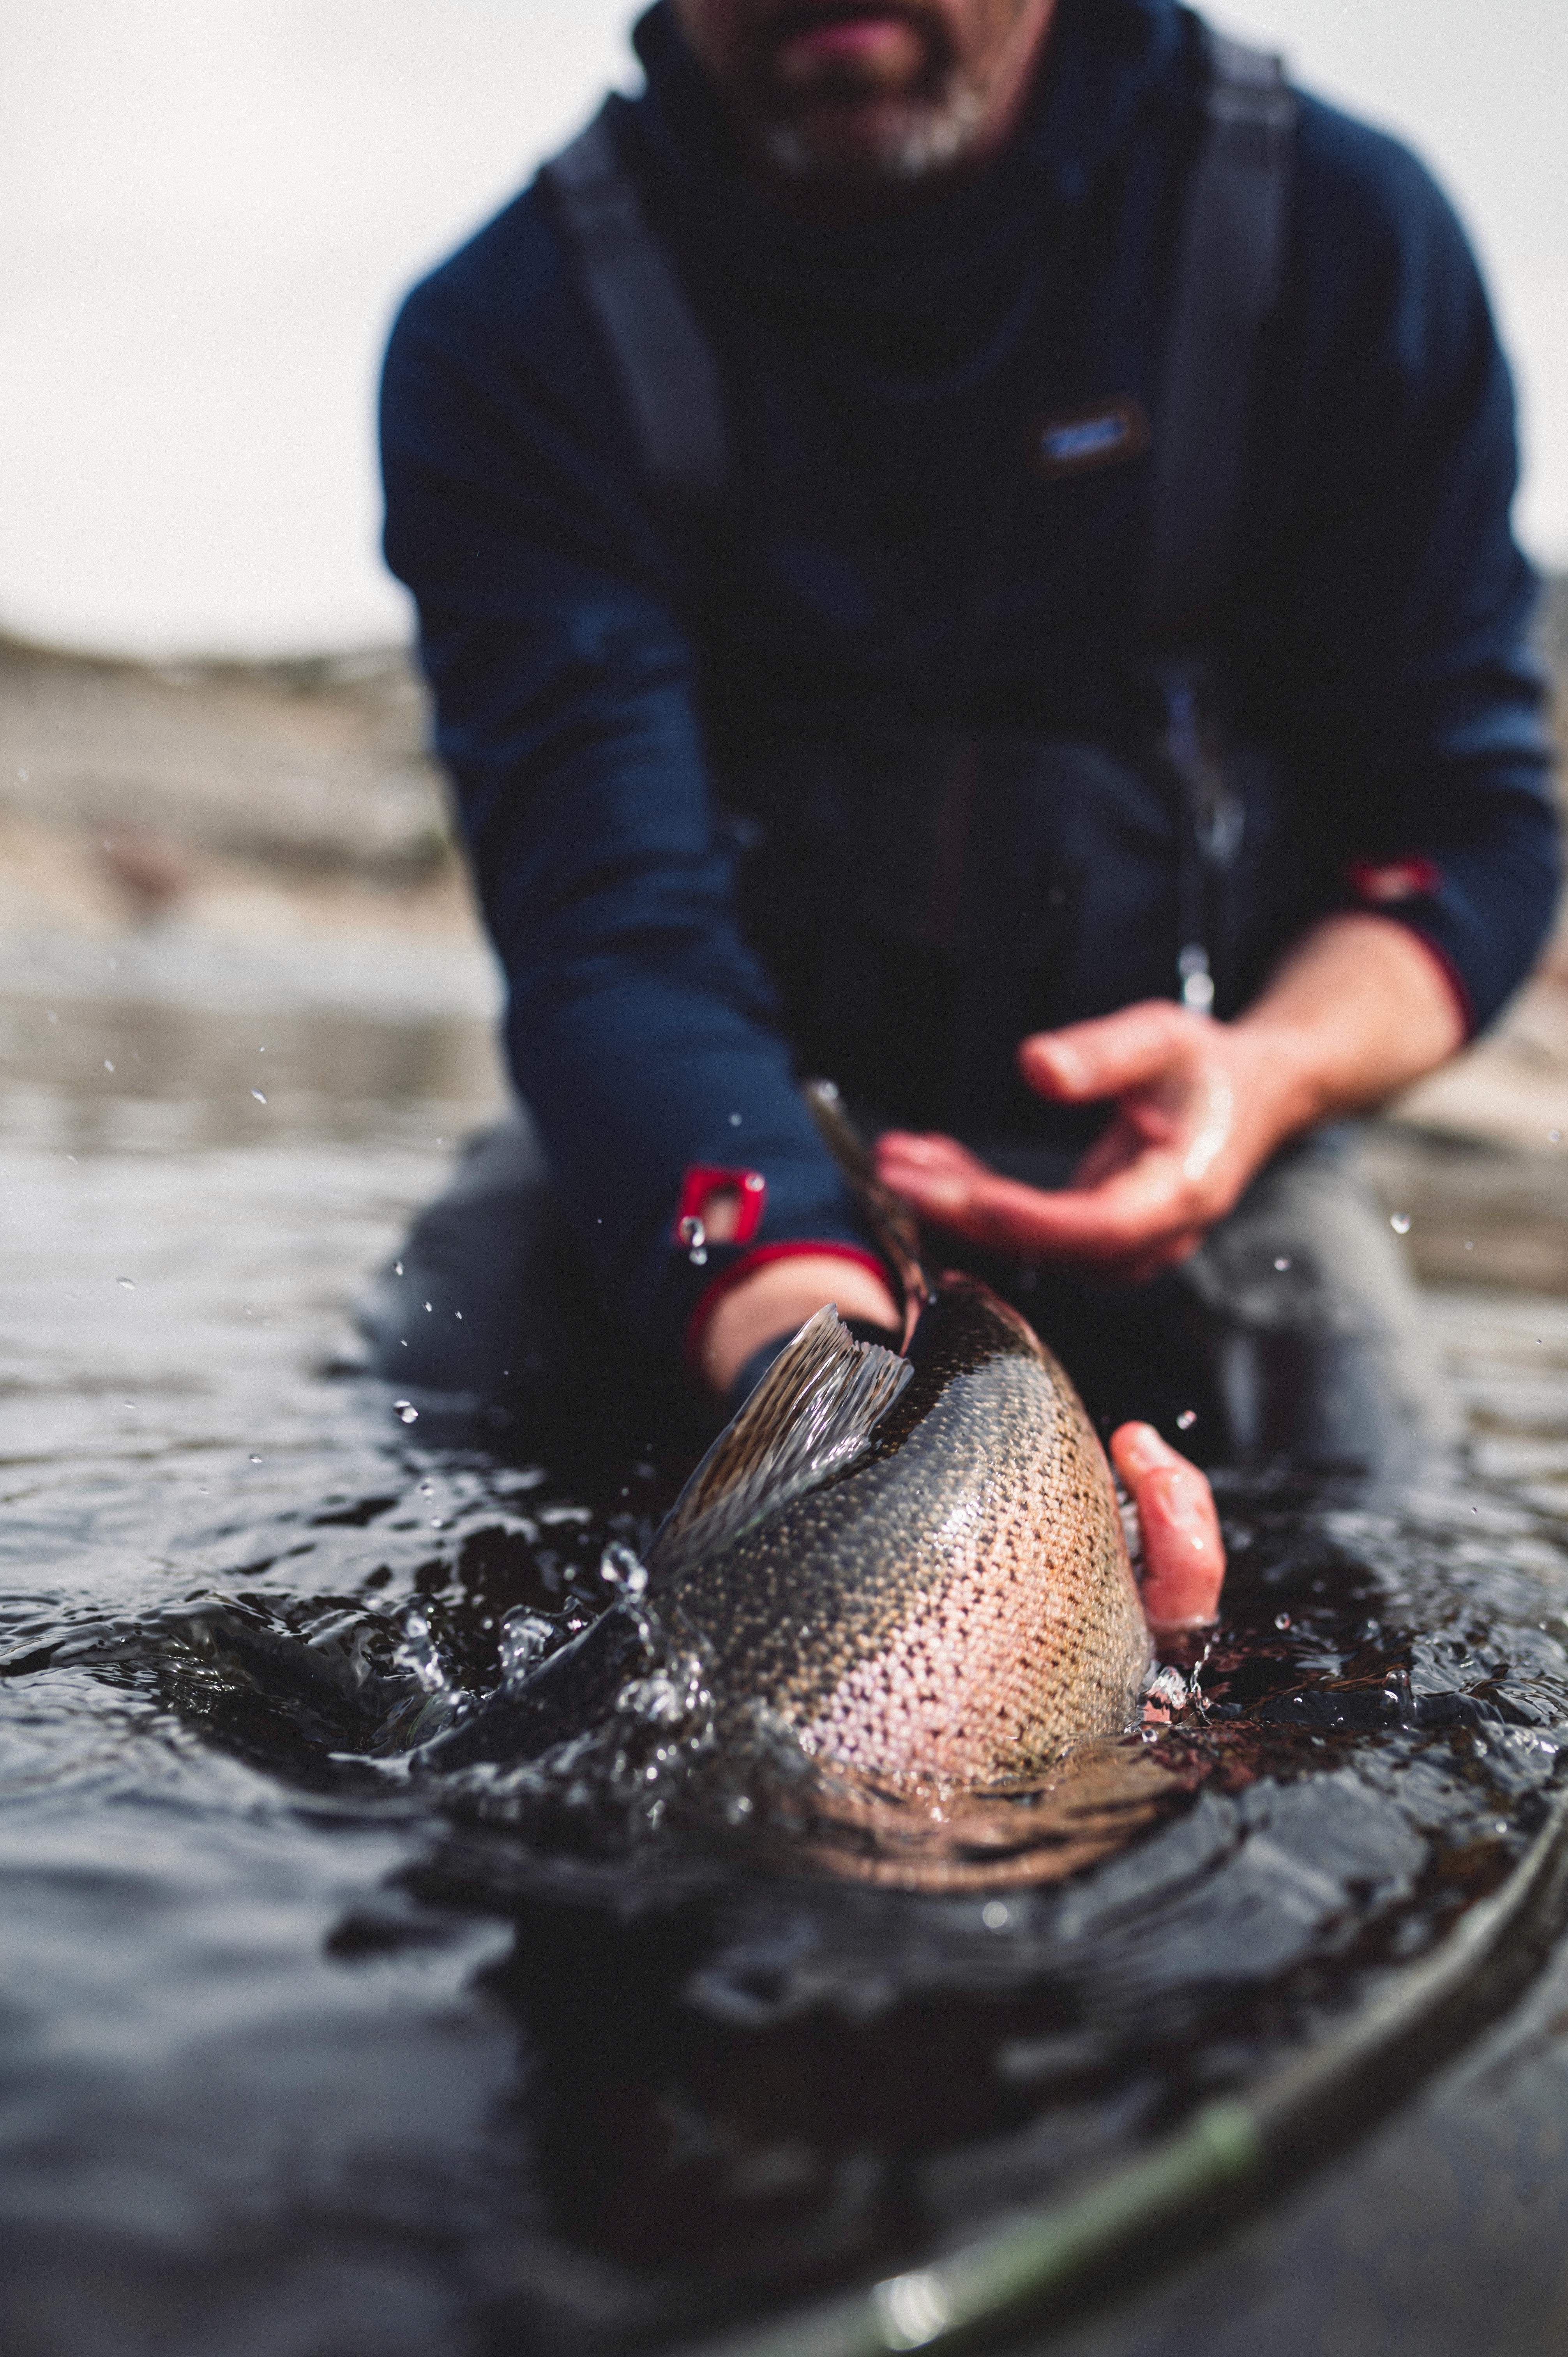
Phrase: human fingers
(902, 1148)
(1184, 1554)
(1112, 1053)
(1121, 1220)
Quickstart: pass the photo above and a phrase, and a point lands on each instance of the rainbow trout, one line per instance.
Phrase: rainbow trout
(913, 1562)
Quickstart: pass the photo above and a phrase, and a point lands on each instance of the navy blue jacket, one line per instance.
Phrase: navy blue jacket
(891, 557)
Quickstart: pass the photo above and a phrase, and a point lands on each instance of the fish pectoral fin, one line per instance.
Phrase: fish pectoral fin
(813, 1412)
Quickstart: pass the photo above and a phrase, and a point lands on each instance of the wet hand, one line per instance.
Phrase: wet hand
(1359, 1006)
(1184, 1554)
(1199, 1106)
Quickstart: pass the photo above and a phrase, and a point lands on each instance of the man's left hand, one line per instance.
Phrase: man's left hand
(1359, 1008)
(1196, 1111)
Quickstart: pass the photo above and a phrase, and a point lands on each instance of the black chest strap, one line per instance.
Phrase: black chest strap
(1228, 271)
(662, 360)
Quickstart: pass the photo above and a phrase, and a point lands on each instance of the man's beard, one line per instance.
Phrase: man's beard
(842, 130)
(916, 137)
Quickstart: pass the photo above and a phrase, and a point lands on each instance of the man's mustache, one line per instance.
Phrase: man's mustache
(787, 19)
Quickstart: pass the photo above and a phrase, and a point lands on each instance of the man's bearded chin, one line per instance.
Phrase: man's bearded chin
(889, 140)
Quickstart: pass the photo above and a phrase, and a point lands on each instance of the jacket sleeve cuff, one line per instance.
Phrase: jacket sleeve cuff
(1480, 909)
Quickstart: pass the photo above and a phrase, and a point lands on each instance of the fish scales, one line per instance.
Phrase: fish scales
(916, 1565)
(958, 1600)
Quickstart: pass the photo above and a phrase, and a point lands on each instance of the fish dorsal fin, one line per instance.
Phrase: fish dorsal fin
(812, 1414)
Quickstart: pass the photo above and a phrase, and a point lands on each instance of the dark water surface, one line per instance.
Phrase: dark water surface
(302, 2053)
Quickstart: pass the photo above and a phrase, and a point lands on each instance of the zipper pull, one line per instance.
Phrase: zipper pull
(1197, 982)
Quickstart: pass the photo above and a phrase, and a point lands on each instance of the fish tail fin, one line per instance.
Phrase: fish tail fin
(891, 1222)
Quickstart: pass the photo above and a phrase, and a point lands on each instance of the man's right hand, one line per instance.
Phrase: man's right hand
(777, 1297)
(1184, 1554)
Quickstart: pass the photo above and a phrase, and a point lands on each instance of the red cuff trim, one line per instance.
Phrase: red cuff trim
(794, 1249)
(704, 1179)
(1382, 884)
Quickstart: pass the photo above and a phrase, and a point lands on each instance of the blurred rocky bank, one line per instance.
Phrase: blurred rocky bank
(274, 838)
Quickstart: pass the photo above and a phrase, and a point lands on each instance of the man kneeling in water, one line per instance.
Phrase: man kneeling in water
(963, 545)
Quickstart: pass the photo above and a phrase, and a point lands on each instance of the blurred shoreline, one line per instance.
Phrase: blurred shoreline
(273, 837)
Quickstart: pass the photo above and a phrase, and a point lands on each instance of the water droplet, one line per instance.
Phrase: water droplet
(23, 775)
(53, 1017)
(1470, 1247)
(1282, 1620)
(427, 1304)
(524, 1636)
(437, 1524)
(418, 1652)
(129, 1283)
(113, 964)
(1282, 1261)
(259, 1097)
(397, 1268)
(1400, 1222)
(1186, 1419)
(1554, 1138)
(406, 1411)
(70, 1158)
(618, 1568)
(255, 1460)
(107, 1065)
(130, 1402)
(995, 1915)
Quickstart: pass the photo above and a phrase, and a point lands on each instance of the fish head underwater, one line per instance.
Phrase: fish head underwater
(914, 1565)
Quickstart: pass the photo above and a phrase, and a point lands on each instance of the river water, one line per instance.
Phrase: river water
(303, 2054)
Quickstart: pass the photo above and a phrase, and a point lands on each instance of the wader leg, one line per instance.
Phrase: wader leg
(493, 1297)
(1294, 1334)
(1313, 1323)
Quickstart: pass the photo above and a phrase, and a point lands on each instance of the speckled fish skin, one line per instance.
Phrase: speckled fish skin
(959, 1602)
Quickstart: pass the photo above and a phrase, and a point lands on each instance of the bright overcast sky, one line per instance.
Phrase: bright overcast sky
(208, 209)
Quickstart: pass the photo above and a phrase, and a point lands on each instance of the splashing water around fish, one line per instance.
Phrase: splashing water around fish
(913, 1566)
(916, 1565)
(589, 2050)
